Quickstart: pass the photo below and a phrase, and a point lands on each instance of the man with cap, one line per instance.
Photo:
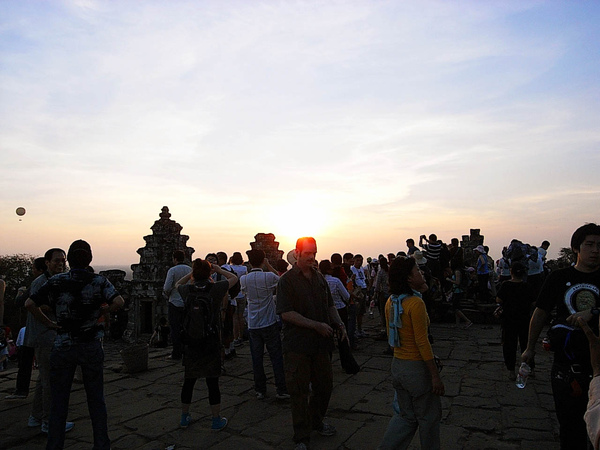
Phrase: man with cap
(77, 299)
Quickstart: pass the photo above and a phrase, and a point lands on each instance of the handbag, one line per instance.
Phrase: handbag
(349, 364)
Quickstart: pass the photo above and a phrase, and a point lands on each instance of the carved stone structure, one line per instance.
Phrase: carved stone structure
(119, 319)
(267, 243)
(469, 243)
(147, 302)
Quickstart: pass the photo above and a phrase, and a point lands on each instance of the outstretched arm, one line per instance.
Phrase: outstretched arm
(538, 320)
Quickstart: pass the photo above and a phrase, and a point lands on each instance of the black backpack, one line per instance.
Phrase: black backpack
(236, 288)
(201, 321)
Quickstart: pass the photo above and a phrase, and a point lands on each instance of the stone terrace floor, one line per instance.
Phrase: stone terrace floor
(481, 408)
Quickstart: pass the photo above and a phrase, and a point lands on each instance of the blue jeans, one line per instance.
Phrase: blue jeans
(417, 408)
(63, 362)
(176, 314)
(271, 338)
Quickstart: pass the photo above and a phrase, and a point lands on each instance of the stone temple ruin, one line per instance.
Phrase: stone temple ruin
(468, 244)
(146, 301)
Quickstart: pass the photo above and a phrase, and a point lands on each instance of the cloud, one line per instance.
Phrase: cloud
(442, 112)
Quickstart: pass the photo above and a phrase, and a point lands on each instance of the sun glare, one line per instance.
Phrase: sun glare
(301, 216)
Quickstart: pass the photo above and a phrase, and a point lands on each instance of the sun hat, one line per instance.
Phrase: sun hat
(418, 255)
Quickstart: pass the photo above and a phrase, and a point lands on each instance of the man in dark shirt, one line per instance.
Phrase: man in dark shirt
(309, 316)
(77, 299)
(410, 243)
(575, 293)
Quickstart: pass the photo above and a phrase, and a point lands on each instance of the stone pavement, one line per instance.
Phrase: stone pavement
(481, 408)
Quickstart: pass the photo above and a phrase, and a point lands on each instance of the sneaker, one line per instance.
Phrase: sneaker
(238, 343)
(218, 423)
(300, 446)
(260, 395)
(232, 354)
(32, 422)
(15, 396)
(327, 430)
(283, 396)
(185, 420)
(68, 427)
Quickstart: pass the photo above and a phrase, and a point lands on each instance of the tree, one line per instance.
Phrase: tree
(566, 257)
(15, 270)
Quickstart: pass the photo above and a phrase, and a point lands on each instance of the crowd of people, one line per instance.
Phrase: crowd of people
(296, 310)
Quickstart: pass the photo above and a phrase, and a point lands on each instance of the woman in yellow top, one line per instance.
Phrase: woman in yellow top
(416, 378)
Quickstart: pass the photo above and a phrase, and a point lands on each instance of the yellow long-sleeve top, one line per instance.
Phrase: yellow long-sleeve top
(414, 343)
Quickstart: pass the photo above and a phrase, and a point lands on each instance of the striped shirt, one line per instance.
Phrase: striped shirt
(433, 250)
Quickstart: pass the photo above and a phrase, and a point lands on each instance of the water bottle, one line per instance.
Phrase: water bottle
(524, 372)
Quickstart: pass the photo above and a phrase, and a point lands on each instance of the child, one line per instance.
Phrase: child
(162, 330)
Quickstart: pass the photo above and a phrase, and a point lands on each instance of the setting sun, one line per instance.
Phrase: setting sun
(298, 216)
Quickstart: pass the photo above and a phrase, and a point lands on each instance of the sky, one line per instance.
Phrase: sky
(361, 123)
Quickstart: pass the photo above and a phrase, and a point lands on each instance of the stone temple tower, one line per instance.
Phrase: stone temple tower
(149, 275)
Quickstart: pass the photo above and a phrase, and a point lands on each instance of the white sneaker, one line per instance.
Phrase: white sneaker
(32, 422)
(68, 427)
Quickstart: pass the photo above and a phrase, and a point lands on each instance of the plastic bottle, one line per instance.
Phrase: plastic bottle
(524, 372)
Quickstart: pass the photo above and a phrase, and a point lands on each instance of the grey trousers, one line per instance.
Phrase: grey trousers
(418, 408)
(40, 408)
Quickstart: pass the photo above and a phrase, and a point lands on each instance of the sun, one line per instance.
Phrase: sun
(300, 216)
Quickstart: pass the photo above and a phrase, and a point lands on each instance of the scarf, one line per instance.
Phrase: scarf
(396, 317)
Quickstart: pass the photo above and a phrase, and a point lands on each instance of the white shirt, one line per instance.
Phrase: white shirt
(258, 287)
(536, 267)
(175, 274)
(20, 337)
(361, 279)
(542, 252)
(240, 271)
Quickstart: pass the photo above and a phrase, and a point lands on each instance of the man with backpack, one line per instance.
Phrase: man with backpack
(175, 273)
(575, 293)
(77, 299)
(205, 304)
